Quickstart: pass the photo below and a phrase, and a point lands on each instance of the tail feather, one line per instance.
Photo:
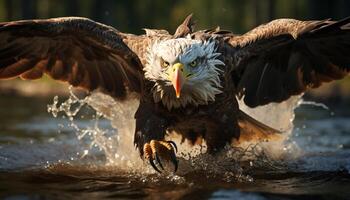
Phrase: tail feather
(254, 131)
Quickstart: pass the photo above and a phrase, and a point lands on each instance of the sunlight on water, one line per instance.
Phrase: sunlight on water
(119, 151)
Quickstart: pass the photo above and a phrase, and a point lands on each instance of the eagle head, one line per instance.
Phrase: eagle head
(185, 71)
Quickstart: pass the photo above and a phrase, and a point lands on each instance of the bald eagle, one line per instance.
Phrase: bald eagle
(188, 82)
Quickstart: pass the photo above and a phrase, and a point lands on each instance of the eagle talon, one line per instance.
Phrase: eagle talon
(158, 160)
(153, 165)
(174, 145)
(156, 150)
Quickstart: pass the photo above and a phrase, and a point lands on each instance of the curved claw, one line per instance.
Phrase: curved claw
(173, 144)
(153, 165)
(174, 161)
(158, 160)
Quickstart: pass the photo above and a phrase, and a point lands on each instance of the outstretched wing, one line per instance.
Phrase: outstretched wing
(77, 50)
(286, 56)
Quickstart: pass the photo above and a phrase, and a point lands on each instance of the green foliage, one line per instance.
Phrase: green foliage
(133, 15)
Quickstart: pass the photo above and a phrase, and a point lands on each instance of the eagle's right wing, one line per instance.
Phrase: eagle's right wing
(76, 50)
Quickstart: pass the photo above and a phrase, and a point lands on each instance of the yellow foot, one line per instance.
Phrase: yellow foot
(156, 150)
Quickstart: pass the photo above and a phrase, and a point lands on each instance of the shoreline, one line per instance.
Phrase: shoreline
(337, 92)
(36, 88)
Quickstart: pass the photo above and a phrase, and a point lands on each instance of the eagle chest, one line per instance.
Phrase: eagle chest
(197, 123)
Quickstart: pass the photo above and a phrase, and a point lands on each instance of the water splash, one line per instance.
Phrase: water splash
(119, 151)
(281, 117)
(116, 144)
(312, 103)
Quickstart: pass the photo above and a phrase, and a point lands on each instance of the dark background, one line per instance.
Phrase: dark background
(133, 15)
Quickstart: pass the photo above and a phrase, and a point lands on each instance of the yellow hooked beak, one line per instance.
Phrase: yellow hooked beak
(177, 76)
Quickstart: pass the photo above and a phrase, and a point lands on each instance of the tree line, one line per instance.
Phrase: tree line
(133, 15)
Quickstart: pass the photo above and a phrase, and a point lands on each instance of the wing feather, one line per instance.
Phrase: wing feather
(286, 57)
(76, 50)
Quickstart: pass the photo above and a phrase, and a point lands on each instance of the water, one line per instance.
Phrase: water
(77, 152)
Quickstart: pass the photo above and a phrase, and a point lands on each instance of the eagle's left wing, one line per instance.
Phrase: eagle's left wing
(286, 56)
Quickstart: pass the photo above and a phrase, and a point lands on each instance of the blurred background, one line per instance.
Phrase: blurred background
(133, 15)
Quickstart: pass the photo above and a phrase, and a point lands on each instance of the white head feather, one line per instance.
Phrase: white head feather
(201, 87)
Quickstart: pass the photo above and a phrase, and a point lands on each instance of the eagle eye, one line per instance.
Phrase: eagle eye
(194, 63)
(165, 64)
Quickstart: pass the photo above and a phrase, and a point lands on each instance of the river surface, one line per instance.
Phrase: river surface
(73, 152)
